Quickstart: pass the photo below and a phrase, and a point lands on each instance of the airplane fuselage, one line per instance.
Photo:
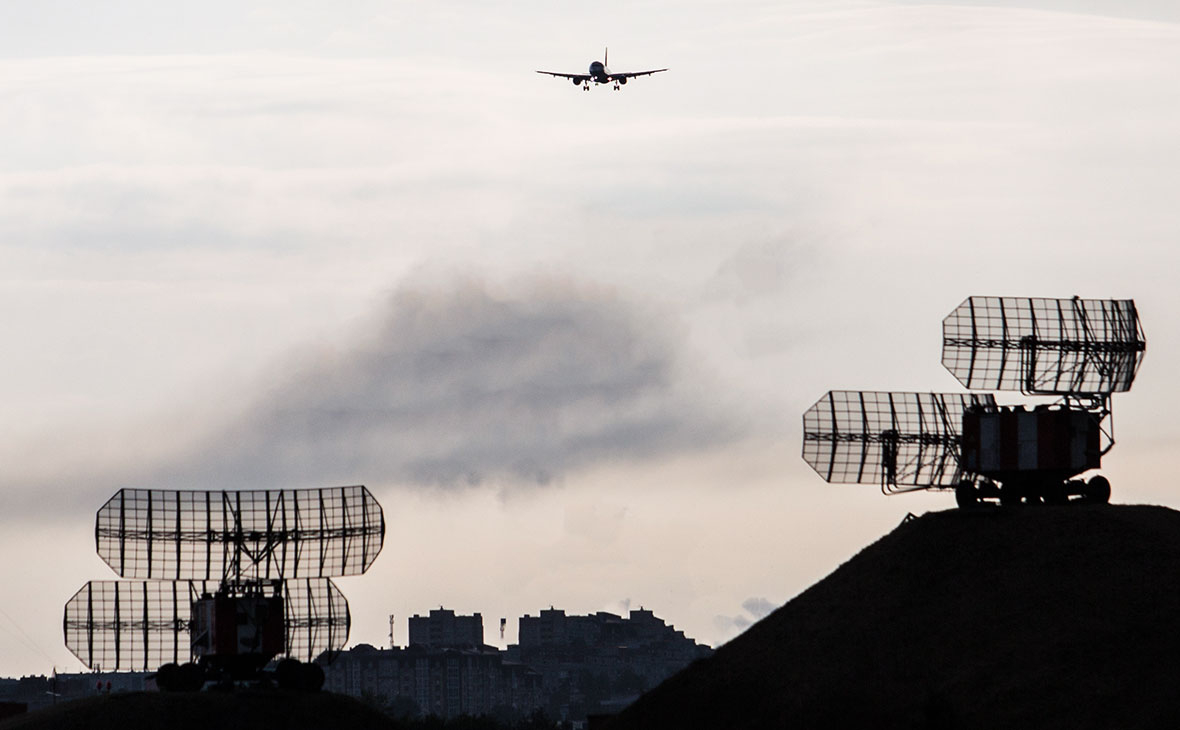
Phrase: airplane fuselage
(599, 72)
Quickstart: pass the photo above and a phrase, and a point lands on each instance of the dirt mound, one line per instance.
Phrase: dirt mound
(1034, 617)
(246, 710)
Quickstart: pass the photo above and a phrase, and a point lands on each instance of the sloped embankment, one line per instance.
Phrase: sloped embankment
(1034, 617)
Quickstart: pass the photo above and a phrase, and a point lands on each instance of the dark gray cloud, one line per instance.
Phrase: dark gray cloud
(455, 386)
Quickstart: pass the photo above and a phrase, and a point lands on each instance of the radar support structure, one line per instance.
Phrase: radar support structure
(1078, 351)
(223, 583)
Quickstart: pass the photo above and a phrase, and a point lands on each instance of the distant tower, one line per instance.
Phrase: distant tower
(391, 644)
(503, 623)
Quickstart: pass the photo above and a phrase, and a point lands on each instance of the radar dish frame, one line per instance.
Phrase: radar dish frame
(140, 625)
(1060, 347)
(1078, 350)
(902, 441)
(259, 534)
(257, 556)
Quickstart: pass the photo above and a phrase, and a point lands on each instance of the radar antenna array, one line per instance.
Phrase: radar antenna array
(1044, 346)
(277, 533)
(902, 441)
(1080, 350)
(144, 624)
(228, 581)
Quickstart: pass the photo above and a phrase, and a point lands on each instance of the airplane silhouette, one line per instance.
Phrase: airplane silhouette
(600, 74)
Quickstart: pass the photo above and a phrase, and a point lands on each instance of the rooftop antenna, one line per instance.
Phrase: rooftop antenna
(1077, 350)
(224, 583)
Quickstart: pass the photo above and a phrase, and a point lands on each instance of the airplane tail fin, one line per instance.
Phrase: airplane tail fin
(605, 53)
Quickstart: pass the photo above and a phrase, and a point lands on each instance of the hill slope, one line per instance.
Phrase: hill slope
(1047, 617)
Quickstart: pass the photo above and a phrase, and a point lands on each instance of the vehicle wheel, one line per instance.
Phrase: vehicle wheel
(289, 673)
(168, 677)
(1059, 493)
(1098, 490)
(191, 677)
(1056, 495)
(313, 677)
(966, 495)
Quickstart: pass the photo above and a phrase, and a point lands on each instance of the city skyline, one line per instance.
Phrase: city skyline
(566, 665)
(566, 338)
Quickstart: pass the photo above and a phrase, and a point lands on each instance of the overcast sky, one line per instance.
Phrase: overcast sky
(565, 337)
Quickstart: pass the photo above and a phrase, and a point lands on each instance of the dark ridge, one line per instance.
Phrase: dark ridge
(246, 710)
(1028, 617)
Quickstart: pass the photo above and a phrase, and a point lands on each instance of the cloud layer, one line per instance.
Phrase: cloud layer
(457, 385)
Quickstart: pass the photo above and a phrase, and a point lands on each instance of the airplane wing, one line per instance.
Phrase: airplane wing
(633, 74)
(564, 76)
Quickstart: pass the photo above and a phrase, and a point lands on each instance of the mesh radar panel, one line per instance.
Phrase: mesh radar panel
(140, 625)
(230, 579)
(1044, 346)
(209, 535)
(901, 441)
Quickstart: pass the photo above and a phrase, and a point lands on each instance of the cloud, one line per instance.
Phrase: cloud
(729, 626)
(759, 607)
(756, 270)
(457, 385)
(756, 608)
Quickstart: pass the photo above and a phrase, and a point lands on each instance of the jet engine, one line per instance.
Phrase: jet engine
(622, 80)
(578, 80)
